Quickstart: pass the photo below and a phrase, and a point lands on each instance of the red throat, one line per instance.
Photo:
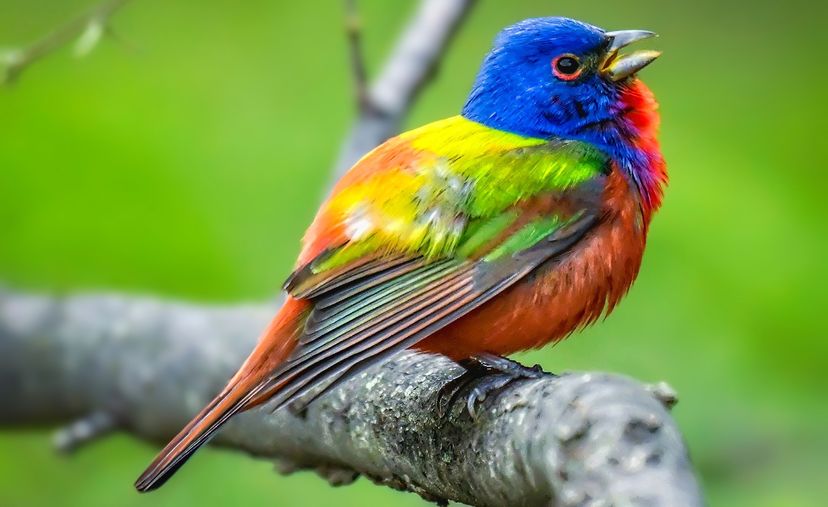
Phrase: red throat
(643, 119)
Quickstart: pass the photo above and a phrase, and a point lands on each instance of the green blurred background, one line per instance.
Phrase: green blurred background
(188, 163)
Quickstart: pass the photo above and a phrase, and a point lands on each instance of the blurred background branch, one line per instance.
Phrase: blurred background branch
(86, 30)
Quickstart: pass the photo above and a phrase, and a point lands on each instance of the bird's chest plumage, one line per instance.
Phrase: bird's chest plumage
(563, 295)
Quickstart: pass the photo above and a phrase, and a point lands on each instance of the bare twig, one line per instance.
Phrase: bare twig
(87, 28)
(575, 440)
(412, 63)
(353, 30)
(84, 430)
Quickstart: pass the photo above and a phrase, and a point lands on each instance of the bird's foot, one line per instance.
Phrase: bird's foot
(485, 374)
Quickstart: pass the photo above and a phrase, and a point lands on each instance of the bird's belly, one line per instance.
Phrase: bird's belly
(560, 297)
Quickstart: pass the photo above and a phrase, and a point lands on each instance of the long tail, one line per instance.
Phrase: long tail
(241, 393)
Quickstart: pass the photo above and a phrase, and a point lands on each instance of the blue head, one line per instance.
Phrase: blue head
(556, 77)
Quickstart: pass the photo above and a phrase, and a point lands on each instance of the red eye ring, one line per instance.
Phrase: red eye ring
(567, 67)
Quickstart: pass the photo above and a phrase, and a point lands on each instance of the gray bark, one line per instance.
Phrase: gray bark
(577, 440)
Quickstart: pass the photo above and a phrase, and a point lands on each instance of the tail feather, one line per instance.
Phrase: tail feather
(193, 436)
(243, 391)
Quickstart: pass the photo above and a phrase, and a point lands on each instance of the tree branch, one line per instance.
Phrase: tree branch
(87, 29)
(580, 439)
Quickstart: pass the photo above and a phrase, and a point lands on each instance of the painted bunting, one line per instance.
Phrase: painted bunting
(501, 229)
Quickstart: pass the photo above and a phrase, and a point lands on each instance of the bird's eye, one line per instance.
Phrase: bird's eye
(567, 67)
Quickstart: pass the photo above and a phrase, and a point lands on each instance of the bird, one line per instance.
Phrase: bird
(504, 228)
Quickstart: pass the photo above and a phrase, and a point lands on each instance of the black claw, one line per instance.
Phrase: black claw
(454, 388)
(489, 373)
(471, 405)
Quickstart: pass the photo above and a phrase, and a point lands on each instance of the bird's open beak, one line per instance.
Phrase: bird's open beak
(617, 67)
